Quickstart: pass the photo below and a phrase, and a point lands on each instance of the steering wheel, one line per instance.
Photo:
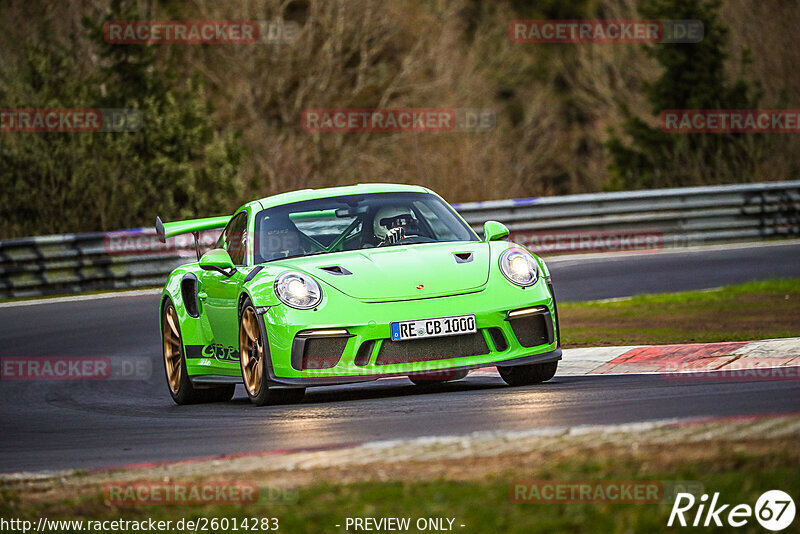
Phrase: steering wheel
(395, 235)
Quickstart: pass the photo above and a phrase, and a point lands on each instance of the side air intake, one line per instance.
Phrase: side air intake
(189, 295)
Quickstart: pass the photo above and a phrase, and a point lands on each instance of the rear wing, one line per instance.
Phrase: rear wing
(192, 226)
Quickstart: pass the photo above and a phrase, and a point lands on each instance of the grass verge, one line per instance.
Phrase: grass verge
(740, 460)
(751, 311)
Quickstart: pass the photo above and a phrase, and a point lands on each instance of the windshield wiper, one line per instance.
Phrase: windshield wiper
(407, 243)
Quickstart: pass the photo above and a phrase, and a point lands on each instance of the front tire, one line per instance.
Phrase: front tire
(180, 386)
(253, 353)
(527, 375)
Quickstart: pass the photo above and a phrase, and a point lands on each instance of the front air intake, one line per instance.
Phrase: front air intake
(318, 349)
(498, 339)
(425, 350)
(323, 353)
(364, 353)
(533, 330)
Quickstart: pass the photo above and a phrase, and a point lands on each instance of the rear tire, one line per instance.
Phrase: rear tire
(527, 375)
(179, 384)
(253, 353)
(437, 377)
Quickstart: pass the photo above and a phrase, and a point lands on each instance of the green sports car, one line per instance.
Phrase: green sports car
(349, 284)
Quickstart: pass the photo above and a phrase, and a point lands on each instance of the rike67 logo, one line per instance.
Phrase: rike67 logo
(774, 510)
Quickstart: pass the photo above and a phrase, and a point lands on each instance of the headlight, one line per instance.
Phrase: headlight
(298, 290)
(519, 267)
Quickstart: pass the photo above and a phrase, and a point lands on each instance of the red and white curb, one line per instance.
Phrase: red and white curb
(736, 356)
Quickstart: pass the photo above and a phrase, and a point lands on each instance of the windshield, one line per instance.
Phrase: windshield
(355, 222)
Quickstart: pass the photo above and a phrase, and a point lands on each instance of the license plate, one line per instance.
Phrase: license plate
(438, 327)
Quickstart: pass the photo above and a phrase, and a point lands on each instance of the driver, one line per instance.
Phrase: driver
(391, 223)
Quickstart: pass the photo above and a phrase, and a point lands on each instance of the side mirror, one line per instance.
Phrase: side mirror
(217, 260)
(494, 231)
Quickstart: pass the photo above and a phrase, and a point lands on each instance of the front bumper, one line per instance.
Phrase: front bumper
(359, 345)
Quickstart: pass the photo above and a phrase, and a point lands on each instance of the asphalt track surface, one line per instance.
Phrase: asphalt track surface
(48, 426)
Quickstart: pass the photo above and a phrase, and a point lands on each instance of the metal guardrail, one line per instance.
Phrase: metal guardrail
(65, 264)
(661, 218)
(664, 218)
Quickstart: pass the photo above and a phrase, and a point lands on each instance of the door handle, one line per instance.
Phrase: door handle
(201, 295)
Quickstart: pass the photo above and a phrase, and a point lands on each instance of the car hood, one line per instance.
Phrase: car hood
(402, 272)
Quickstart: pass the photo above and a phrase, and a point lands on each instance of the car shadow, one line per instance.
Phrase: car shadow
(399, 388)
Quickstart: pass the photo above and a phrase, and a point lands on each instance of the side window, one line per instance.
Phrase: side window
(234, 238)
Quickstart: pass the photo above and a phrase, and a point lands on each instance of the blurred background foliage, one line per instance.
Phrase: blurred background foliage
(222, 122)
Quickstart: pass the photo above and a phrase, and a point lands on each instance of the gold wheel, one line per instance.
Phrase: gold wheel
(251, 351)
(172, 349)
